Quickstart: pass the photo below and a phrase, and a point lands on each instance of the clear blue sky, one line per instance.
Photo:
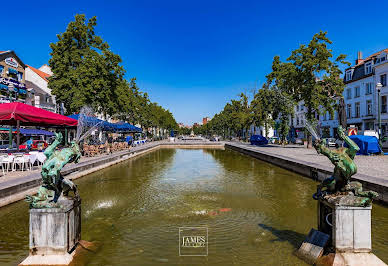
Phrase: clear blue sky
(194, 56)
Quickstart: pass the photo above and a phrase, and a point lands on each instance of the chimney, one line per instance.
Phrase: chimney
(359, 58)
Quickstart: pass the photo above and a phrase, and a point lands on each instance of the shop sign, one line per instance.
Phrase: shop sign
(11, 62)
(14, 82)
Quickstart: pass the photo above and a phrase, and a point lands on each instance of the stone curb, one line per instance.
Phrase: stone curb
(16, 189)
(312, 170)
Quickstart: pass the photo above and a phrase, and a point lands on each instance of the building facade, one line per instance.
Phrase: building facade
(361, 97)
(37, 85)
(12, 78)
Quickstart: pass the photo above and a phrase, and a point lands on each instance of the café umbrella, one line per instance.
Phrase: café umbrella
(17, 113)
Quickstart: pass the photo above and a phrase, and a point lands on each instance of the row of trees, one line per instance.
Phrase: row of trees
(87, 72)
(309, 74)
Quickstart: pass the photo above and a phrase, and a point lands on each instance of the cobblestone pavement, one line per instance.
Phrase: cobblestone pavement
(374, 165)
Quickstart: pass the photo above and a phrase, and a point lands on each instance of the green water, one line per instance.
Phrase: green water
(135, 209)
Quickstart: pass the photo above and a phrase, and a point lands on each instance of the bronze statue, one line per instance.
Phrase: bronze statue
(53, 182)
(344, 168)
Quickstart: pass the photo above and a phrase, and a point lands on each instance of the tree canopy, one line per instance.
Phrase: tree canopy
(87, 72)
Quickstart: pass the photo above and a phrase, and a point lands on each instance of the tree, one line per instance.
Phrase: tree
(310, 74)
(85, 71)
(263, 105)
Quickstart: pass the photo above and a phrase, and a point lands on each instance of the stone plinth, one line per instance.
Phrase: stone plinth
(348, 226)
(54, 233)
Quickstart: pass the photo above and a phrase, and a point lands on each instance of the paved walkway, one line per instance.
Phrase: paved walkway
(374, 165)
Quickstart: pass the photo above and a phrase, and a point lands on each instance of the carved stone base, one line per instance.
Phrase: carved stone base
(54, 260)
(54, 233)
(348, 226)
(352, 259)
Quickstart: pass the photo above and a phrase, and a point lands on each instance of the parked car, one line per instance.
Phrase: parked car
(36, 145)
(258, 140)
(299, 141)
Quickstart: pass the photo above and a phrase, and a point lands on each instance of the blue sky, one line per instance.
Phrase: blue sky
(194, 56)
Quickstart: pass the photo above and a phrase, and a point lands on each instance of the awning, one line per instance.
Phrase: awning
(125, 127)
(28, 131)
(35, 132)
(92, 121)
(32, 116)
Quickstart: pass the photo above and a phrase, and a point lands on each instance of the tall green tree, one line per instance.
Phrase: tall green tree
(311, 74)
(85, 70)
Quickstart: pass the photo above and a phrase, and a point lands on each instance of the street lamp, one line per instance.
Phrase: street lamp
(378, 88)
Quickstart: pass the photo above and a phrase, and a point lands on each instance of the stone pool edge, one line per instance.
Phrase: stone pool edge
(15, 190)
(311, 170)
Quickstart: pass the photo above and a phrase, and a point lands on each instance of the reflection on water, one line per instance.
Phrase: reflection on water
(256, 214)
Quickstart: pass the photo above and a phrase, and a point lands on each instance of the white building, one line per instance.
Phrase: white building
(299, 120)
(37, 84)
(361, 98)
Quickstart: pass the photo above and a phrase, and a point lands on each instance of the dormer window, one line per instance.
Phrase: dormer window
(368, 68)
(348, 75)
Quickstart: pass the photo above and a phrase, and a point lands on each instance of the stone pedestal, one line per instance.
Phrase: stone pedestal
(54, 233)
(348, 226)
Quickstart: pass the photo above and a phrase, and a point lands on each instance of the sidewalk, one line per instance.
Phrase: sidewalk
(367, 165)
(372, 170)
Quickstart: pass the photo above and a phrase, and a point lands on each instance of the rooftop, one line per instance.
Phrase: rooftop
(42, 74)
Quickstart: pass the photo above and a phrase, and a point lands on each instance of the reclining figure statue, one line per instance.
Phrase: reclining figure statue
(344, 169)
(53, 182)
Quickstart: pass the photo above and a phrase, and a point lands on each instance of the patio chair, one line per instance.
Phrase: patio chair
(2, 164)
(20, 161)
(27, 162)
(8, 161)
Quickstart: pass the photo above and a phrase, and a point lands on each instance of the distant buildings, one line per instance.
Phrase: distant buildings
(205, 120)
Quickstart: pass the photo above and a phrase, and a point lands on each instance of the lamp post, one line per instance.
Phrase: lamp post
(378, 88)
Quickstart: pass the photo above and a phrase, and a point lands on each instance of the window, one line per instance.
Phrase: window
(368, 88)
(383, 80)
(368, 68)
(301, 107)
(356, 92)
(297, 108)
(369, 107)
(20, 76)
(349, 111)
(297, 121)
(348, 75)
(357, 107)
(369, 125)
(331, 116)
(325, 117)
(348, 93)
(383, 104)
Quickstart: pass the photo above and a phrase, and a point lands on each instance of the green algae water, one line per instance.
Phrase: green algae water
(255, 213)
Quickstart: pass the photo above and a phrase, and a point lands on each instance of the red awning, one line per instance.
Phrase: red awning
(32, 116)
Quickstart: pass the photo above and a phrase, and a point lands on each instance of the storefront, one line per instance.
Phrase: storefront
(12, 78)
